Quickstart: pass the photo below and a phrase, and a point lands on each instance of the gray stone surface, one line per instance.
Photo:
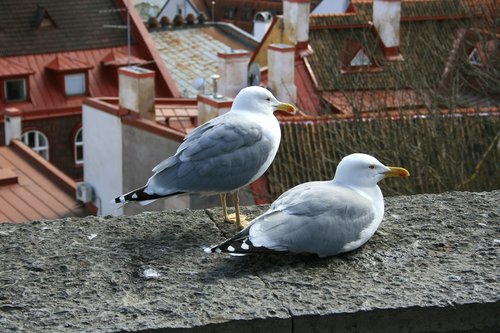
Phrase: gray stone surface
(431, 267)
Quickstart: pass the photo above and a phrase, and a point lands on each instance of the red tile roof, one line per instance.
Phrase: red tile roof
(32, 189)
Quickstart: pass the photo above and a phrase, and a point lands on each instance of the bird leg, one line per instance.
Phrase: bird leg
(224, 207)
(240, 220)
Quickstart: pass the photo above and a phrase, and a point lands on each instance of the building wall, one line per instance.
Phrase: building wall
(275, 36)
(61, 133)
(103, 158)
(142, 151)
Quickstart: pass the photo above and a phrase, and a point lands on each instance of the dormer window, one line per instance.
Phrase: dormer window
(354, 58)
(74, 84)
(474, 58)
(360, 59)
(15, 90)
(71, 73)
(43, 19)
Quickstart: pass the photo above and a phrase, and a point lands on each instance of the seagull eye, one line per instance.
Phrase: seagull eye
(268, 99)
(372, 166)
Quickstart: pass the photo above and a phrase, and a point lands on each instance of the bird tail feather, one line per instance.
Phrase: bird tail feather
(237, 247)
(141, 196)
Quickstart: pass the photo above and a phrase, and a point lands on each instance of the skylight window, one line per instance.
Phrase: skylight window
(360, 59)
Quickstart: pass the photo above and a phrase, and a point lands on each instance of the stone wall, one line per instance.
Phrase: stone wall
(431, 267)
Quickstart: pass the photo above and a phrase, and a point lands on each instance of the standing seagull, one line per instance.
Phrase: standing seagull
(322, 217)
(222, 155)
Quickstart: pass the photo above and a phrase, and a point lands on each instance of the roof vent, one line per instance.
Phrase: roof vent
(43, 18)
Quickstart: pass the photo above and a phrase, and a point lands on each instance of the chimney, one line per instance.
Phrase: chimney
(233, 70)
(137, 90)
(296, 21)
(213, 104)
(281, 69)
(12, 124)
(386, 20)
(261, 23)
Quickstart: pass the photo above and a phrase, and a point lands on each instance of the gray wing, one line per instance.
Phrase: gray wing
(315, 217)
(222, 155)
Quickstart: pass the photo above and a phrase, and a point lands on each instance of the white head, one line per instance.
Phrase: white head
(365, 171)
(258, 99)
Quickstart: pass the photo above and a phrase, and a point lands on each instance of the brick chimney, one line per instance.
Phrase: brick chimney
(137, 90)
(386, 21)
(281, 69)
(296, 21)
(233, 71)
(12, 124)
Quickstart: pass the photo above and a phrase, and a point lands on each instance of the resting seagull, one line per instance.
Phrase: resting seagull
(322, 217)
(222, 155)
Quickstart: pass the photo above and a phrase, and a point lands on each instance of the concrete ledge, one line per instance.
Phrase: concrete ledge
(431, 267)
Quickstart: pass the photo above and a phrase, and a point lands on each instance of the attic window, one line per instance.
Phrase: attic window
(43, 19)
(15, 90)
(360, 59)
(474, 58)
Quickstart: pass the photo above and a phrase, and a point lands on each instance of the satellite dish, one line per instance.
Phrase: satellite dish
(253, 78)
(199, 84)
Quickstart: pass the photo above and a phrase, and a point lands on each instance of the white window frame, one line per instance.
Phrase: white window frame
(24, 98)
(70, 84)
(78, 143)
(39, 147)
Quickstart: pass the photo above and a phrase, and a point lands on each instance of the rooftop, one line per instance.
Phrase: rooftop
(191, 53)
(75, 27)
(32, 189)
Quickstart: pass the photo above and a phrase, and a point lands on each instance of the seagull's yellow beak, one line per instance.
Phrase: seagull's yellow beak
(396, 172)
(285, 107)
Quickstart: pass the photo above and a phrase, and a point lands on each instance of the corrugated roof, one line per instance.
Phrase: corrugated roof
(12, 68)
(63, 62)
(33, 195)
(46, 93)
(192, 53)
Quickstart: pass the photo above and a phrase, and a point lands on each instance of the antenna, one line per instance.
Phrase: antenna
(114, 26)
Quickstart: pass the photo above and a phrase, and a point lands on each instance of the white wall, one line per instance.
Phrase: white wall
(102, 139)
